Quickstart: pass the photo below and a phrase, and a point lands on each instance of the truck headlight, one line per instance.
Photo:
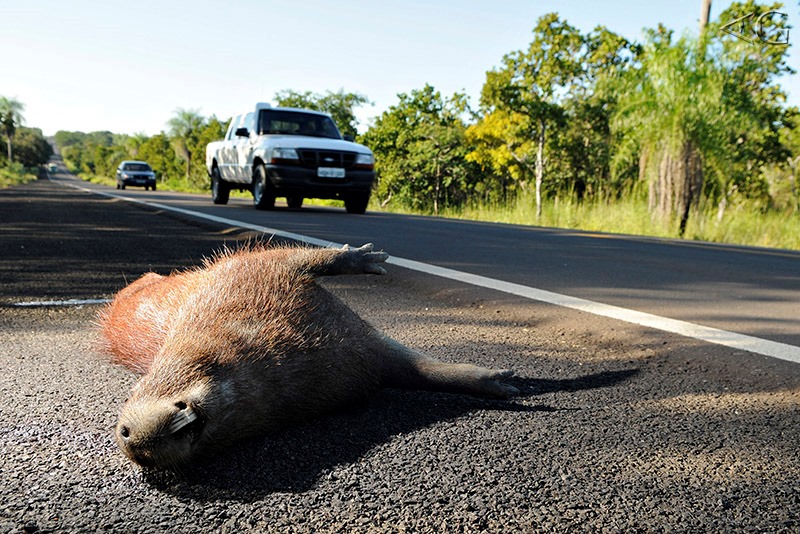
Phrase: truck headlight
(365, 161)
(284, 154)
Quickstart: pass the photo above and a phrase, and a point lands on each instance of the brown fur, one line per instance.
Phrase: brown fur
(249, 342)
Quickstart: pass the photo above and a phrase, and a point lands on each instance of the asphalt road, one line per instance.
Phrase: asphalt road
(619, 427)
(746, 290)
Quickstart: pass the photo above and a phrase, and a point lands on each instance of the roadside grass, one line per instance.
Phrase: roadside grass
(744, 224)
(16, 174)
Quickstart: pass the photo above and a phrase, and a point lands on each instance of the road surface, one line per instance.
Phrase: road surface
(620, 427)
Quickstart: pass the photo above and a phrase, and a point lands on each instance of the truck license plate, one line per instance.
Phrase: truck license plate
(330, 172)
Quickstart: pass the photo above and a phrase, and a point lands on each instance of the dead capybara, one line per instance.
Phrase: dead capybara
(248, 343)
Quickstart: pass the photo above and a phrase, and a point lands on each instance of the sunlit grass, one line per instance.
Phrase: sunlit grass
(744, 225)
(15, 174)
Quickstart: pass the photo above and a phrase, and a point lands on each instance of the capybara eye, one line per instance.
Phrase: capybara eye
(180, 405)
(124, 432)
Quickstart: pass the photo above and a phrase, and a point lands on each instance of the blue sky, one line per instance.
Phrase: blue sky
(126, 66)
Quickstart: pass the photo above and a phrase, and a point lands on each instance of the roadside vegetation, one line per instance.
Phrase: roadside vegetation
(676, 135)
(25, 148)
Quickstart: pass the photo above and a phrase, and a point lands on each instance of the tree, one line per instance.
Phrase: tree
(133, 144)
(752, 71)
(533, 83)
(678, 114)
(500, 143)
(184, 128)
(31, 148)
(11, 118)
(158, 152)
(580, 152)
(420, 151)
(339, 105)
(211, 130)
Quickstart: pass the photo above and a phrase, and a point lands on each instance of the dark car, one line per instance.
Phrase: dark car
(135, 173)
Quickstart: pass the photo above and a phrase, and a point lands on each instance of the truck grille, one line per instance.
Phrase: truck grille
(325, 158)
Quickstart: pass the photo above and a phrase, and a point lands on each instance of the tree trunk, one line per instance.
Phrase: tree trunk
(10, 155)
(188, 164)
(436, 189)
(539, 169)
(677, 187)
(691, 183)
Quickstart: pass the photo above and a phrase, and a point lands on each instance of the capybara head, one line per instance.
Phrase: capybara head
(166, 430)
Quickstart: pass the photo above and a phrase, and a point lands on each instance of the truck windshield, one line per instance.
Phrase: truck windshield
(275, 121)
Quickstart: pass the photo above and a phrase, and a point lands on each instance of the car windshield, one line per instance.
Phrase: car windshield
(273, 121)
(137, 167)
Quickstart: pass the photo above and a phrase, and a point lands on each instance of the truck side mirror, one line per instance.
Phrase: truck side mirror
(349, 138)
(242, 132)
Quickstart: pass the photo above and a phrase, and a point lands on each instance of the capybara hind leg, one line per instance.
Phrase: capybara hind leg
(409, 369)
(465, 378)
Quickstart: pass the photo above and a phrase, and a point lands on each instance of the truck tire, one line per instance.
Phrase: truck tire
(294, 202)
(356, 203)
(263, 193)
(220, 189)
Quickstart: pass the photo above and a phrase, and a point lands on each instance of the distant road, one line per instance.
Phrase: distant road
(743, 290)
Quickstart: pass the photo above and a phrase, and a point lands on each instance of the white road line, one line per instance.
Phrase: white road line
(733, 340)
(68, 302)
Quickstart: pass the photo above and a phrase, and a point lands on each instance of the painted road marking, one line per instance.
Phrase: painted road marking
(68, 302)
(708, 334)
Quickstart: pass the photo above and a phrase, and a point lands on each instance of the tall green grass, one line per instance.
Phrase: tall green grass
(745, 224)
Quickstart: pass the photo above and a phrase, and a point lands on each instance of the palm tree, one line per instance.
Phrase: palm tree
(183, 128)
(675, 117)
(133, 143)
(11, 118)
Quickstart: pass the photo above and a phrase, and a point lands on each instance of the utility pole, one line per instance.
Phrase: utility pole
(705, 14)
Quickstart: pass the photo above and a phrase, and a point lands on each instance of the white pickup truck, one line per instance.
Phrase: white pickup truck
(292, 153)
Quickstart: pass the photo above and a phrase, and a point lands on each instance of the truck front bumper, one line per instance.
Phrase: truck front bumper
(289, 180)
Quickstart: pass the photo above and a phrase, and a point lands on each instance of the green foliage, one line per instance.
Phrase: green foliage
(177, 158)
(339, 105)
(10, 119)
(420, 149)
(30, 148)
(15, 174)
(700, 117)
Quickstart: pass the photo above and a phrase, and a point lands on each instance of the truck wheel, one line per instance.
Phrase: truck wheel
(220, 189)
(356, 203)
(294, 202)
(263, 193)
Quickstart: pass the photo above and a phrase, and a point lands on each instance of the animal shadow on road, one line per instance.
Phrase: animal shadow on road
(294, 459)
